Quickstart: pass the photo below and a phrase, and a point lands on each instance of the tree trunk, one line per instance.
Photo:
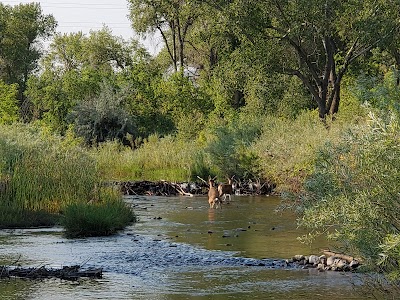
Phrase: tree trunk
(175, 60)
(334, 107)
(213, 57)
(396, 56)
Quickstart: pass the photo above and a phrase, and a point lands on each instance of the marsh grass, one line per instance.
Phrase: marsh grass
(42, 175)
(14, 217)
(103, 217)
(166, 158)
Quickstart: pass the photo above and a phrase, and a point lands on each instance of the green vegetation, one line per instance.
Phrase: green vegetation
(100, 218)
(43, 175)
(301, 93)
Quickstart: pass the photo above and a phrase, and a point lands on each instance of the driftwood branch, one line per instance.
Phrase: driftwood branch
(165, 188)
(66, 273)
(347, 258)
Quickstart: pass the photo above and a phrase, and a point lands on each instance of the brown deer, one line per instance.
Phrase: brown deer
(225, 189)
(213, 195)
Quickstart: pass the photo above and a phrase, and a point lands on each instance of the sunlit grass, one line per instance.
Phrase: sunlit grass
(157, 158)
(43, 174)
(104, 217)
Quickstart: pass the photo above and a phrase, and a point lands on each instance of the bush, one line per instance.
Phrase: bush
(102, 117)
(229, 147)
(8, 103)
(352, 194)
(286, 149)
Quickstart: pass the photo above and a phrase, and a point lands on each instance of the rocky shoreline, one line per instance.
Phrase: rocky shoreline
(329, 261)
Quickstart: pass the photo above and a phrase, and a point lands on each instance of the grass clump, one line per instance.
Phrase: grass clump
(100, 218)
(14, 217)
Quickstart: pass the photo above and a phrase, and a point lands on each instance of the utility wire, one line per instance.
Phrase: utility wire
(64, 3)
(73, 5)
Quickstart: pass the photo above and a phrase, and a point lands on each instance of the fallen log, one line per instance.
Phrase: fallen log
(347, 258)
(66, 273)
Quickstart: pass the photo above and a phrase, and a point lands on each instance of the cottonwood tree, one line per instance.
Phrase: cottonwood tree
(172, 19)
(316, 41)
(22, 27)
(74, 69)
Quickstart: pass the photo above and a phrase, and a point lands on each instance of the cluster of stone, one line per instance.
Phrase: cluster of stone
(325, 263)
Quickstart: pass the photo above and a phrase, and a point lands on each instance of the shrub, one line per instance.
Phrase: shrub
(352, 194)
(286, 149)
(229, 147)
(8, 103)
(102, 117)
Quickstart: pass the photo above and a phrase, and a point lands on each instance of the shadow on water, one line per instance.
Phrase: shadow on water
(179, 249)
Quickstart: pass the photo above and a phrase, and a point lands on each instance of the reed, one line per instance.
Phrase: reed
(103, 217)
(157, 158)
(41, 173)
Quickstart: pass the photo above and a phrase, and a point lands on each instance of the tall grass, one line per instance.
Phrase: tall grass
(44, 174)
(157, 158)
(286, 150)
(103, 217)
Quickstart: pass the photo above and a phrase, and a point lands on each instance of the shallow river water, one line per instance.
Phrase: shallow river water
(179, 249)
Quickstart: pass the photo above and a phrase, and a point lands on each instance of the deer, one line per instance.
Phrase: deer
(213, 195)
(225, 189)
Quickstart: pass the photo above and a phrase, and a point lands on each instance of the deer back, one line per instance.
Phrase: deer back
(212, 192)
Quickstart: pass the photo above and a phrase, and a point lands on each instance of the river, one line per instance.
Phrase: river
(179, 249)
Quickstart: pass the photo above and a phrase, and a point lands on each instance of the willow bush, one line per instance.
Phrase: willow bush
(228, 146)
(286, 149)
(352, 195)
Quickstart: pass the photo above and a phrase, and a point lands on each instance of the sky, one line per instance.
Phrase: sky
(86, 15)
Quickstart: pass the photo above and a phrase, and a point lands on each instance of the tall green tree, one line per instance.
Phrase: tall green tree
(316, 41)
(172, 19)
(74, 70)
(22, 27)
